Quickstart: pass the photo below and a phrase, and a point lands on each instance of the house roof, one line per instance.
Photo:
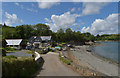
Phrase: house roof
(45, 37)
(39, 39)
(35, 39)
(13, 41)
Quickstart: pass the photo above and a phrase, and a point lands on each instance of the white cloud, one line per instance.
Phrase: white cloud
(47, 20)
(31, 9)
(17, 4)
(73, 9)
(92, 7)
(62, 21)
(28, 9)
(12, 19)
(44, 5)
(108, 25)
(33, 5)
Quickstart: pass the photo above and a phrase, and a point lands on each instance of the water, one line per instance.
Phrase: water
(109, 50)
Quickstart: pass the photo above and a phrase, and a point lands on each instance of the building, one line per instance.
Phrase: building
(14, 43)
(39, 41)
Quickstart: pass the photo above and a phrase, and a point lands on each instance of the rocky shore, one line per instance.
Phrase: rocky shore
(85, 57)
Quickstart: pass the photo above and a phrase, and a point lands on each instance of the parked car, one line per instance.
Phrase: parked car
(28, 47)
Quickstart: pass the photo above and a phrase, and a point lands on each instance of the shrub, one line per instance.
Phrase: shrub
(68, 62)
(3, 52)
(19, 68)
(64, 60)
(11, 56)
(9, 49)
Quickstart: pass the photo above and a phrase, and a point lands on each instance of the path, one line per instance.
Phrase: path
(53, 67)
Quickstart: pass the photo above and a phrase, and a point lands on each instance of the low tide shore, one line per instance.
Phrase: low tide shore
(95, 61)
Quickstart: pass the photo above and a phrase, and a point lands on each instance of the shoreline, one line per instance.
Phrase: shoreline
(105, 58)
(94, 61)
(108, 41)
(100, 56)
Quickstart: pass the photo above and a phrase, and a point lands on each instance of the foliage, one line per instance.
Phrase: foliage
(61, 36)
(3, 51)
(9, 49)
(68, 62)
(11, 56)
(108, 37)
(29, 52)
(24, 67)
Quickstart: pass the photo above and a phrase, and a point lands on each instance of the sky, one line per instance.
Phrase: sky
(94, 17)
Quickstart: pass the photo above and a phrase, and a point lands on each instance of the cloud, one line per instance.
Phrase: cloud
(28, 9)
(17, 4)
(12, 19)
(33, 5)
(92, 7)
(31, 9)
(21, 6)
(47, 20)
(108, 25)
(47, 5)
(73, 9)
(62, 21)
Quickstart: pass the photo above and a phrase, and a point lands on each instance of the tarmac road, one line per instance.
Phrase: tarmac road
(53, 67)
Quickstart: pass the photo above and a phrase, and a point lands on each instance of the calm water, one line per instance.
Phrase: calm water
(108, 49)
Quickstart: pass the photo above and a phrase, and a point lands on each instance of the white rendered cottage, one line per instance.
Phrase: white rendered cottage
(14, 43)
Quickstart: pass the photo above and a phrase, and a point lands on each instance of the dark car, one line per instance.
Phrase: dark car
(28, 47)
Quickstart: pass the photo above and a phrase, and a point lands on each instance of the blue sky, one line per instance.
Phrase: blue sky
(96, 18)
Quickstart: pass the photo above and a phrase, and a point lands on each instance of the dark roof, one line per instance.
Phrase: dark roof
(39, 39)
(35, 39)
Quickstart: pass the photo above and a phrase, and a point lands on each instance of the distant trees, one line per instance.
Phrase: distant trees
(68, 35)
(108, 37)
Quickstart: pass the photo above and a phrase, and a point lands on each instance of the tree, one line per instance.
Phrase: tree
(4, 25)
(41, 29)
(20, 31)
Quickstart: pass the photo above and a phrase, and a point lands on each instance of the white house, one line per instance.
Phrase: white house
(14, 43)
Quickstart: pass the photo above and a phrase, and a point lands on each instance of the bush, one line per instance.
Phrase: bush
(9, 49)
(11, 56)
(19, 68)
(3, 52)
(65, 60)
(68, 62)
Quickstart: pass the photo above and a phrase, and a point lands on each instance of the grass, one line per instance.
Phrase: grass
(24, 67)
(29, 52)
(68, 62)
(9, 49)
(11, 56)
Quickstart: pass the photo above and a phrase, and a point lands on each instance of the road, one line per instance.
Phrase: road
(53, 67)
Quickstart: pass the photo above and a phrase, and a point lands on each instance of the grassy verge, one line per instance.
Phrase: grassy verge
(9, 49)
(24, 67)
(68, 62)
(29, 52)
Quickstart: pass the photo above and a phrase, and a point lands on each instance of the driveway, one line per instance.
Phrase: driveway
(53, 67)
